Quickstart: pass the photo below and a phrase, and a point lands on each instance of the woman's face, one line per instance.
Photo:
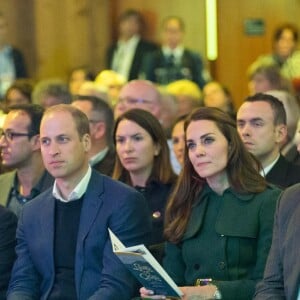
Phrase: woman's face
(214, 96)
(286, 43)
(135, 147)
(178, 141)
(207, 149)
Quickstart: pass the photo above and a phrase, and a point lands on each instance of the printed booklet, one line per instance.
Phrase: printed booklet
(146, 269)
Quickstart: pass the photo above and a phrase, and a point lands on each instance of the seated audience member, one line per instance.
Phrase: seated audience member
(267, 77)
(297, 136)
(63, 247)
(77, 77)
(291, 106)
(219, 218)
(143, 162)
(145, 95)
(282, 273)
(113, 82)
(126, 56)
(169, 110)
(12, 65)
(20, 151)
(261, 123)
(8, 225)
(141, 94)
(188, 95)
(91, 88)
(173, 61)
(285, 54)
(178, 139)
(101, 120)
(293, 155)
(217, 95)
(50, 92)
(18, 93)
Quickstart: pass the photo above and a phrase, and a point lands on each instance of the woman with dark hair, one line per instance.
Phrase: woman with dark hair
(285, 54)
(143, 162)
(219, 218)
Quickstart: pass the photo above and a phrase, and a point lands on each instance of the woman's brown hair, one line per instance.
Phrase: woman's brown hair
(242, 171)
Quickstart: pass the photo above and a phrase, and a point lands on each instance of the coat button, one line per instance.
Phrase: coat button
(222, 265)
(196, 266)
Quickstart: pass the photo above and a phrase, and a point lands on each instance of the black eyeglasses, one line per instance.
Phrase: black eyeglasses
(10, 135)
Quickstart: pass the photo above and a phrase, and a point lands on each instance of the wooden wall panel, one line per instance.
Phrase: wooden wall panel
(20, 18)
(70, 33)
(237, 50)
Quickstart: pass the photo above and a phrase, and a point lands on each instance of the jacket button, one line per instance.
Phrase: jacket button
(222, 265)
(196, 266)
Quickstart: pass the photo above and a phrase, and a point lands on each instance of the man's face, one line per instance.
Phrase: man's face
(255, 124)
(172, 33)
(17, 151)
(64, 152)
(139, 94)
(95, 121)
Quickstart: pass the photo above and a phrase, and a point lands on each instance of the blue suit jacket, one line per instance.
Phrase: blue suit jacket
(99, 274)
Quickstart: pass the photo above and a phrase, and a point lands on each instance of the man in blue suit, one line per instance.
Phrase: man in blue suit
(63, 248)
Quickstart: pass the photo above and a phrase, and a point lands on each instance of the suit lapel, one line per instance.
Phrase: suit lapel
(92, 202)
(46, 225)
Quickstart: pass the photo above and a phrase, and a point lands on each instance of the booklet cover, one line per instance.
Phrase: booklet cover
(146, 269)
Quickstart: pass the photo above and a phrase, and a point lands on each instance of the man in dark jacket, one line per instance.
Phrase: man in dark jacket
(261, 123)
(126, 56)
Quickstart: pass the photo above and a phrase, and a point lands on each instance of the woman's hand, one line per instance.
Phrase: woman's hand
(189, 293)
(148, 294)
(198, 292)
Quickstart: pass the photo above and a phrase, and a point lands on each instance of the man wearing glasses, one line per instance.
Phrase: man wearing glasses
(20, 151)
(141, 94)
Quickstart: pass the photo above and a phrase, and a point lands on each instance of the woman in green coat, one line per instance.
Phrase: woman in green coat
(219, 219)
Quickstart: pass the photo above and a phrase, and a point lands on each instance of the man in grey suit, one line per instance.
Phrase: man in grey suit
(282, 273)
(20, 151)
(63, 247)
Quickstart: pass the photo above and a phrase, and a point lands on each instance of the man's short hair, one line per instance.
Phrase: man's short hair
(276, 105)
(35, 113)
(51, 88)
(80, 119)
(103, 110)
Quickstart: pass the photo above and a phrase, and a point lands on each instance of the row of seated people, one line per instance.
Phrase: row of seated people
(136, 130)
(211, 184)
